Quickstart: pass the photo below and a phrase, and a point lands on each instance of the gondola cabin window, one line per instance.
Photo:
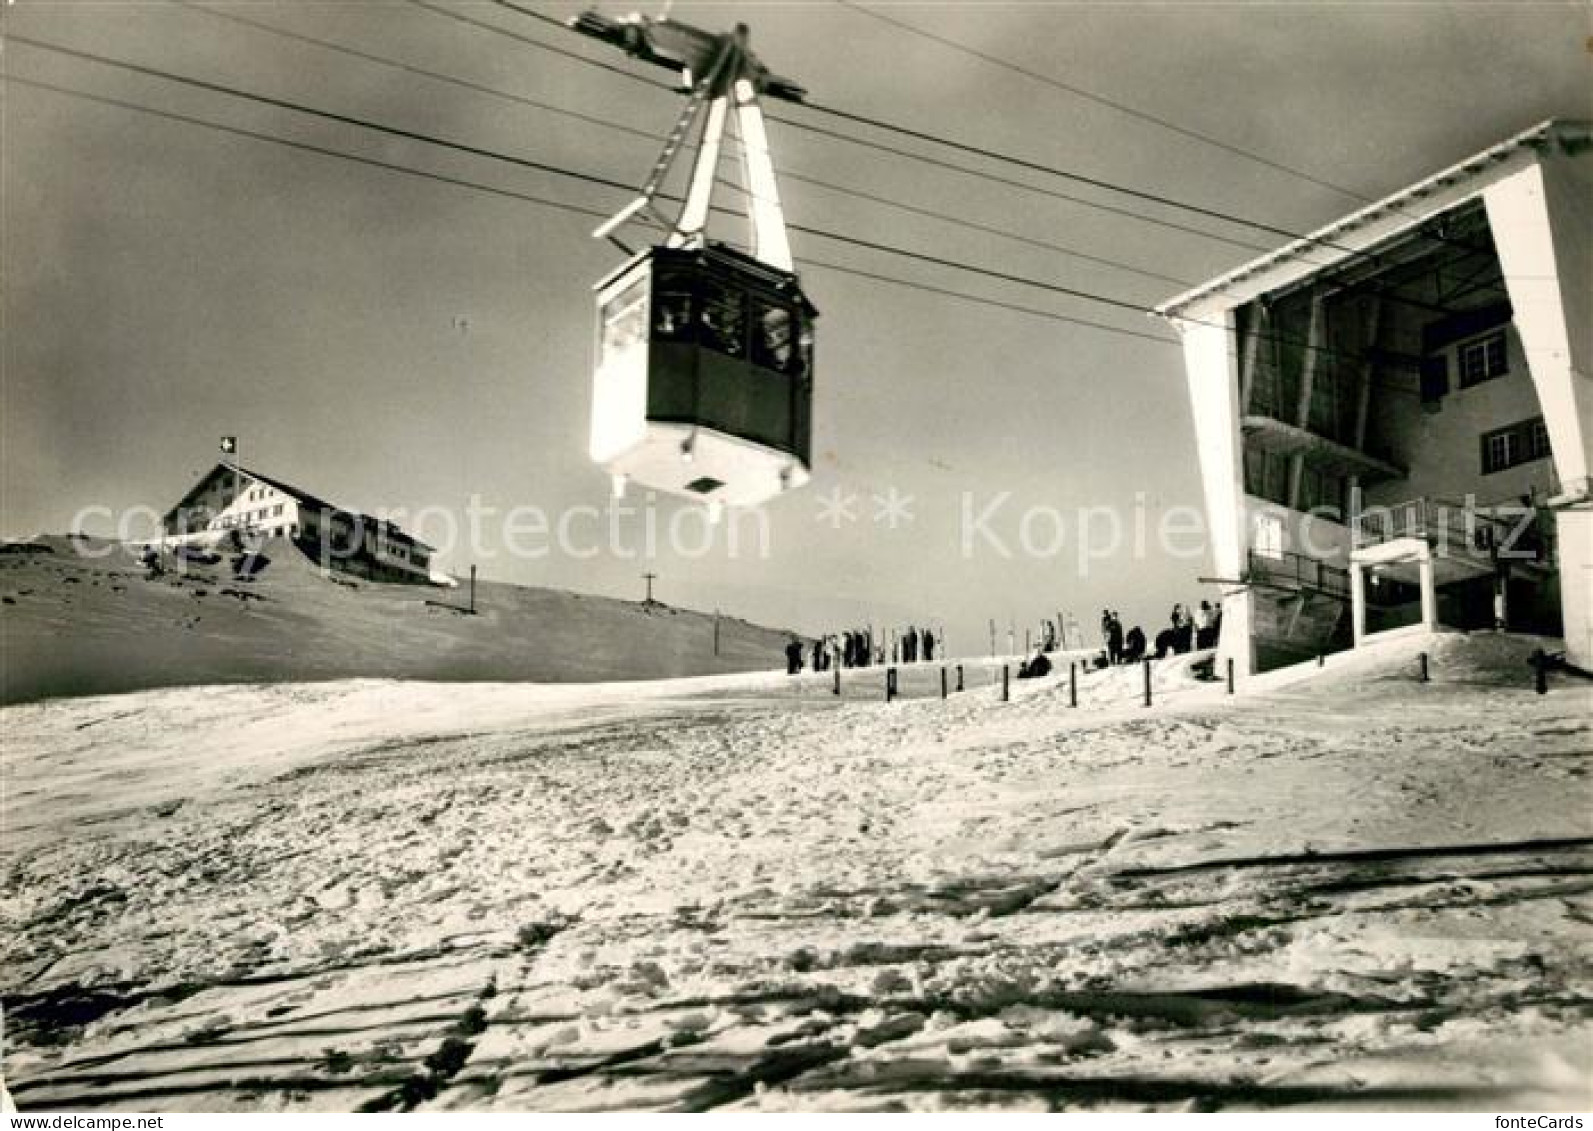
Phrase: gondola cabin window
(724, 318)
(672, 305)
(625, 320)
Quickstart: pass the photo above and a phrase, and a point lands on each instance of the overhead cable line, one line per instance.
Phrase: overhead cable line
(543, 167)
(606, 182)
(950, 143)
(607, 123)
(555, 49)
(996, 178)
(533, 13)
(1196, 135)
(317, 112)
(1102, 100)
(422, 72)
(1354, 254)
(850, 139)
(304, 146)
(563, 206)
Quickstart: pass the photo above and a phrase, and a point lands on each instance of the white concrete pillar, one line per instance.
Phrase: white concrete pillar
(1574, 535)
(1211, 369)
(1426, 566)
(1543, 229)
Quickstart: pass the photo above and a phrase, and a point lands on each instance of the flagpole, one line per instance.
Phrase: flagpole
(230, 448)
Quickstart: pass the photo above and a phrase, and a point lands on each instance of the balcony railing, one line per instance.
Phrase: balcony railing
(1299, 572)
(1457, 528)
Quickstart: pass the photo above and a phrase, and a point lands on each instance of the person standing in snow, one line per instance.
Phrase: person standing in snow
(1114, 639)
(929, 646)
(793, 657)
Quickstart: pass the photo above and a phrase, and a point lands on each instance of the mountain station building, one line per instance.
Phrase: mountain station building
(1394, 414)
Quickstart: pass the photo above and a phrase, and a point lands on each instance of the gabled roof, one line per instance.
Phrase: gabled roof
(302, 497)
(1353, 235)
(289, 489)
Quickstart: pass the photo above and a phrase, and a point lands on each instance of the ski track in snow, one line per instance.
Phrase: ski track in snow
(1347, 890)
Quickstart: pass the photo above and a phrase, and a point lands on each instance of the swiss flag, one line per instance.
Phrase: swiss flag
(229, 445)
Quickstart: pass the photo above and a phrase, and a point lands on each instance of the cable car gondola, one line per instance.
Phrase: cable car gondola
(703, 382)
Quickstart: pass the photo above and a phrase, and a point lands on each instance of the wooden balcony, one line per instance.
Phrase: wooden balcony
(1267, 433)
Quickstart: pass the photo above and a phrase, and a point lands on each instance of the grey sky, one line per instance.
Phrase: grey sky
(166, 284)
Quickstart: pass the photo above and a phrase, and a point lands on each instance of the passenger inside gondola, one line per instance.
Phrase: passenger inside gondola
(672, 316)
(723, 319)
(772, 342)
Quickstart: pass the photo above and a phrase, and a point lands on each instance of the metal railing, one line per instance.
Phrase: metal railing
(1298, 571)
(1456, 528)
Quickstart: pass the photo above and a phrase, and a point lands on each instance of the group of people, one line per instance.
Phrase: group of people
(857, 648)
(1188, 630)
(916, 644)
(1121, 648)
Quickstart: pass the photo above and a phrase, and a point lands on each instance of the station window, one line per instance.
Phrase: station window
(1267, 536)
(1498, 451)
(1538, 440)
(1267, 475)
(1515, 445)
(1482, 360)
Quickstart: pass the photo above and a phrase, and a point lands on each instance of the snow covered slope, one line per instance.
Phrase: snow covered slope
(81, 617)
(1342, 888)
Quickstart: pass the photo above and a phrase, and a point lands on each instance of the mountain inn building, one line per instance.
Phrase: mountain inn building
(231, 500)
(1394, 414)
